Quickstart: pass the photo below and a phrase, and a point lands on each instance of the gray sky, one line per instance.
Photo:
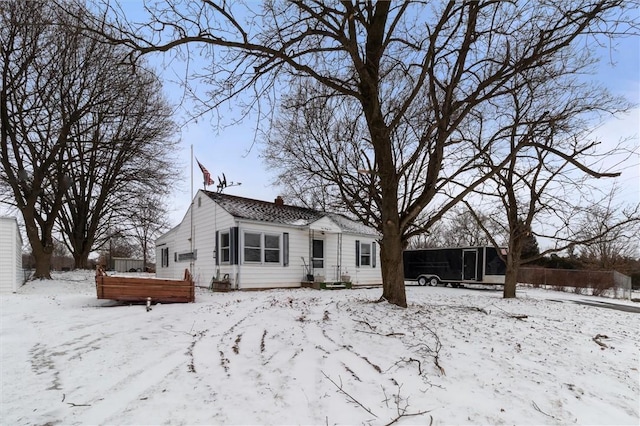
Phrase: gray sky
(232, 151)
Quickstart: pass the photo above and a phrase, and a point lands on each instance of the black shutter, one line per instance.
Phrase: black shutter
(216, 253)
(285, 249)
(357, 253)
(233, 246)
(373, 255)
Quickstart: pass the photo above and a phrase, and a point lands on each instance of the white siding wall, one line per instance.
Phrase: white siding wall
(166, 241)
(19, 281)
(362, 275)
(208, 218)
(11, 275)
(262, 275)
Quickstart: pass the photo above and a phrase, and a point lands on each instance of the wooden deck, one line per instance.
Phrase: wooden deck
(135, 289)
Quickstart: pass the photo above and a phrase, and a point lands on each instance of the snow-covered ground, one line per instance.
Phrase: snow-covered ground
(455, 356)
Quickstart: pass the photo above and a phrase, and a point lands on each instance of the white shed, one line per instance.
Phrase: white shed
(11, 274)
(257, 244)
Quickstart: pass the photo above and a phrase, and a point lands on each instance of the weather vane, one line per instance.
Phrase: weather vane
(222, 183)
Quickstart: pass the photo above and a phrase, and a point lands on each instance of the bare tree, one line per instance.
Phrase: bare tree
(546, 184)
(120, 154)
(35, 125)
(608, 245)
(77, 126)
(434, 237)
(118, 244)
(458, 228)
(412, 74)
(148, 219)
(462, 229)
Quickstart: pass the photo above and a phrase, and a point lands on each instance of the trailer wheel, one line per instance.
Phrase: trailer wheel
(422, 281)
(433, 281)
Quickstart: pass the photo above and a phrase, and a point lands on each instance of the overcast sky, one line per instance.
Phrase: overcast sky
(235, 152)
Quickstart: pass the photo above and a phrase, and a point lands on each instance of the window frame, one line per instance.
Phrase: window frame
(263, 249)
(224, 248)
(164, 256)
(266, 249)
(365, 256)
(253, 248)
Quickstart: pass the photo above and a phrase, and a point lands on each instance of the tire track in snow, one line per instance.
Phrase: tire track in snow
(117, 398)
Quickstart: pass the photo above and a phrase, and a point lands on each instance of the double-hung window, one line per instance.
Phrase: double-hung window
(252, 247)
(164, 254)
(225, 247)
(262, 248)
(365, 254)
(272, 248)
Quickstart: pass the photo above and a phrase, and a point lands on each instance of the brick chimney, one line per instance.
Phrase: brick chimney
(279, 201)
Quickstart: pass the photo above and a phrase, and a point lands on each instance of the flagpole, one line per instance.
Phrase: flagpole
(191, 173)
(191, 233)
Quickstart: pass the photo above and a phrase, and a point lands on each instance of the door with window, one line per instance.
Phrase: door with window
(317, 257)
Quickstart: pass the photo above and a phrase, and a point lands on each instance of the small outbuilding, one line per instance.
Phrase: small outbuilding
(253, 244)
(11, 273)
(127, 264)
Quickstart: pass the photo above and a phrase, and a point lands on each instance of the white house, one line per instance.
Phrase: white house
(257, 245)
(11, 275)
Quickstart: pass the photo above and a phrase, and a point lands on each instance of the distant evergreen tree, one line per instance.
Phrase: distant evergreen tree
(530, 249)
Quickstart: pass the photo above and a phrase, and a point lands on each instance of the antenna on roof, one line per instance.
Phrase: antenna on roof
(222, 183)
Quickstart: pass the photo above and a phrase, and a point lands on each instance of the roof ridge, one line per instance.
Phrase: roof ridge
(273, 212)
(253, 200)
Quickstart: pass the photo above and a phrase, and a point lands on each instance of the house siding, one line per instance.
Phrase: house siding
(363, 274)
(261, 275)
(207, 218)
(210, 218)
(166, 241)
(11, 275)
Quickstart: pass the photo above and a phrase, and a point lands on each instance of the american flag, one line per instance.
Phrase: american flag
(205, 174)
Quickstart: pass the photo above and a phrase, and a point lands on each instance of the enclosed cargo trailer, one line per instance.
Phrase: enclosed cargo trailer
(455, 265)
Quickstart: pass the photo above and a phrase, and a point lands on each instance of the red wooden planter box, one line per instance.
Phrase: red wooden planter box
(134, 289)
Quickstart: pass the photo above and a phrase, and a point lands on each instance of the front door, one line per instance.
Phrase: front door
(469, 265)
(317, 257)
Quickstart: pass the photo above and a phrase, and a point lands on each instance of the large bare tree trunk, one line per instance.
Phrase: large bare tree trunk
(41, 246)
(43, 262)
(392, 270)
(392, 246)
(513, 265)
(81, 259)
(510, 281)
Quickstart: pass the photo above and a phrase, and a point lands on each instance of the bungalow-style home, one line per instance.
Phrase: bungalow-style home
(254, 244)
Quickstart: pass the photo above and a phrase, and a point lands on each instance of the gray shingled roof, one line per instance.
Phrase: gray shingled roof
(264, 211)
(349, 225)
